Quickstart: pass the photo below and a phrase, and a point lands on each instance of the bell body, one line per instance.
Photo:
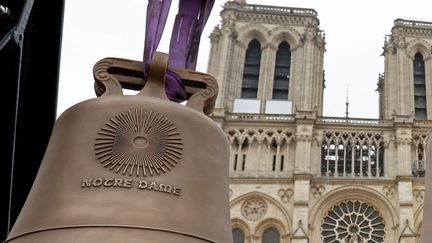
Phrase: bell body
(122, 169)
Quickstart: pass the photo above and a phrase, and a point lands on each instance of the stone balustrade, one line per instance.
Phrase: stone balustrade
(355, 121)
(271, 9)
(259, 117)
(413, 23)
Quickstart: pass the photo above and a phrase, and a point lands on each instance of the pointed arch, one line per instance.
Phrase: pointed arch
(419, 77)
(285, 222)
(419, 45)
(238, 235)
(285, 33)
(237, 223)
(282, 72)
(271, 235)
(252, 31)
(251, 71)
(368, 195)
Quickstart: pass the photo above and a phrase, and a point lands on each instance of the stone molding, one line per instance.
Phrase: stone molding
(285, 194)
(260, 136)
(389, 191)
(418, 218)
(419, 45)
(252, 31)
(419, 194)
(353, 181)
(276, 19)
(317, 191)
(412, 32)
(353, 137)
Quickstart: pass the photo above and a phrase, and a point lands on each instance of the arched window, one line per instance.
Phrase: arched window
(419, 87)
(251, 70)
(238, 235)
(282, 72)
(271, 235)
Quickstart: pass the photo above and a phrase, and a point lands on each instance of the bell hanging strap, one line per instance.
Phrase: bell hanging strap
(157, 14)
(189, 24)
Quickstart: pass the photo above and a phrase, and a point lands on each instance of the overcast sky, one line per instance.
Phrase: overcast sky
(355, 30)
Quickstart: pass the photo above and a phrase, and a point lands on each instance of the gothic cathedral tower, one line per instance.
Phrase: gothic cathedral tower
(269, 53)
(406, 89)
(297, 176)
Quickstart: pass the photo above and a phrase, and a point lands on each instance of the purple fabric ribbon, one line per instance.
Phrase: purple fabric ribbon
(157, 14)
(189, 24)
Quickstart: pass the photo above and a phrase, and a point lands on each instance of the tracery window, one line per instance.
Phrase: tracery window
(251, 70)
(352, 154)
(282, 72)
(353, 221)
(271, 235)
(238, 235)
(271, 145)
(420, 106)
(239, 149)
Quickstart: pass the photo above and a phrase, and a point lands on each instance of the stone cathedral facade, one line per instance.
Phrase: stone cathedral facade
(296, 175)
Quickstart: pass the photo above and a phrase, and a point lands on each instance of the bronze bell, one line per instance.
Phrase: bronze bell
(132, 168)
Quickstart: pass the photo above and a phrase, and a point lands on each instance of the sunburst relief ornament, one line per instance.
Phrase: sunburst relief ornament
(138, 142)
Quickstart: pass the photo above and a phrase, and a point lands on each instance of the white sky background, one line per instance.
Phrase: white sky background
(355, 30)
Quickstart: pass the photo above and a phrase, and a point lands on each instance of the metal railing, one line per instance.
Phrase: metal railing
(418, 168)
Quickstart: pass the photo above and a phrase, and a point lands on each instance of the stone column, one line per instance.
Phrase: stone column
(296, 76)
(403, 143)
(404, 182)
(270, 69)
(318, 79)
(307, 72)
(302, 177)
(223, 63)
(263, 75)
(301, 208)
(404, 81)
(391, 82)
(305, 121)
(234, 78)
(214, 51)
(406, 225)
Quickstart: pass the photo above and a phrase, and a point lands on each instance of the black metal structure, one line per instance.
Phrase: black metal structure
(30, 43)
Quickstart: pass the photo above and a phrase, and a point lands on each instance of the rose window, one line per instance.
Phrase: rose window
(353, 221)
(254, 209)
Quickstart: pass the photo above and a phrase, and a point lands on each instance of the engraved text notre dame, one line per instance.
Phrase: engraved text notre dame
(130, 183)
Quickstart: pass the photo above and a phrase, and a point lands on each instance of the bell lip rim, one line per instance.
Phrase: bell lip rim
(126, 226)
